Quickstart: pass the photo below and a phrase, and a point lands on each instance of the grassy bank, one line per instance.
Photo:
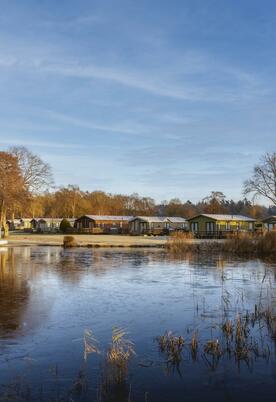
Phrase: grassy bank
(86, 240)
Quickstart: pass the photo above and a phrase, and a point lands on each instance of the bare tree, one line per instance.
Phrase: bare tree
(36, 173)
(214, 203)
(68, 201)
(263, 181)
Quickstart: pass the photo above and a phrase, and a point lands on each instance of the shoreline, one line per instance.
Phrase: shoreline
(88, 241)
(96, 241)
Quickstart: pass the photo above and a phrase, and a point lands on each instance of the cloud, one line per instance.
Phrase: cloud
(80, 122)
(122, 77)
(74, 22)
(34, 143)
(132, 79)
(191, 76)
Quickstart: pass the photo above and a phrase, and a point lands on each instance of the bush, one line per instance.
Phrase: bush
(65, 226)
(69, 241)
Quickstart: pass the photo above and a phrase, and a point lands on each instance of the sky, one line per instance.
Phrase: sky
(168, 99)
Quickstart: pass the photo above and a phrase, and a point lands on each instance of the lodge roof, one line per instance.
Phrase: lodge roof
(107, 217)
(268, 218)
(150, 219)
(50, 219)
(160, 219)
(176, 219)
(226, 217)
(19, 220)
(16, 220)
(53, 219)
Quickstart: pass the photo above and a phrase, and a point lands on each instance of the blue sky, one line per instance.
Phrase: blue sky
(164, 98)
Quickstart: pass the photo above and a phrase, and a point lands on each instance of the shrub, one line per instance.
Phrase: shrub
(69, 241)
(65, 226)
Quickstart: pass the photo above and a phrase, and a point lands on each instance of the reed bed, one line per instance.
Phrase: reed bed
(180, 243)
(242, 244)
(246, 244)
(172, 346)
(235, 340)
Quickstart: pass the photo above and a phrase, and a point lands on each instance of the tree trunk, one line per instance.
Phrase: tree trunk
(1, 217)
(3, 221)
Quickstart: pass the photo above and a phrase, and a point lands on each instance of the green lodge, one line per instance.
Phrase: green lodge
(219, 225)
(269, 223)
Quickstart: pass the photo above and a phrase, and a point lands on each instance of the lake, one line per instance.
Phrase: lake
(51, 298)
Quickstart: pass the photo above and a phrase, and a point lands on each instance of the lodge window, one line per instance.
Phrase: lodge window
(86, 223)
(210, 227)
(194, 226)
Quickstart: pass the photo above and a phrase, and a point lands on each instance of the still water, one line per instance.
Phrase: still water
(49, 297)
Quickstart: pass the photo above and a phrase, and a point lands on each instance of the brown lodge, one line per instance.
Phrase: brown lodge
(203, 225)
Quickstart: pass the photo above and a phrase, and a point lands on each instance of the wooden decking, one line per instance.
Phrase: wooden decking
(222, 234)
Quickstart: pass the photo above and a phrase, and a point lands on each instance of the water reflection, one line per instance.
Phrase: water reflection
(14, 294)
(49, 296)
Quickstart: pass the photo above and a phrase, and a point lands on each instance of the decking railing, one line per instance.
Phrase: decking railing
(220, 234)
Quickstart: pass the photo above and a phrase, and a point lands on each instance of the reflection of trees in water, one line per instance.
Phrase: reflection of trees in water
(14, 293)
(74, 263)
(21, 308)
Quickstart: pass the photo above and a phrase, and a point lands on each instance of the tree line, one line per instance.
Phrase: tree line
(26, 190)
(71, 202)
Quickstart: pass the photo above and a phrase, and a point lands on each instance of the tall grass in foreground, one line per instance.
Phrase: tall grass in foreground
(171, 345)
(90, 344)
(245, 244)
(235, 340)
(115, 364)
(120, 351)
(241, 244)
(244, 338)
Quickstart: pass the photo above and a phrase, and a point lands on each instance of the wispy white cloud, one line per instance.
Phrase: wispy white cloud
(175, 82)
(182, 107)
(73, 22)
(37, 143)
(194, 76)
(148, 83)
(80, 122)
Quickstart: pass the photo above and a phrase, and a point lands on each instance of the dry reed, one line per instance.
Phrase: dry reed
(120, 352)
(172, 346)
(240, 244)
(69, 241)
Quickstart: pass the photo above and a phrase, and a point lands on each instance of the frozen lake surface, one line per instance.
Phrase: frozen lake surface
(49, 297)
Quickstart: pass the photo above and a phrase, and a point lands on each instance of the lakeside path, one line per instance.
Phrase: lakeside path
(26, 239)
